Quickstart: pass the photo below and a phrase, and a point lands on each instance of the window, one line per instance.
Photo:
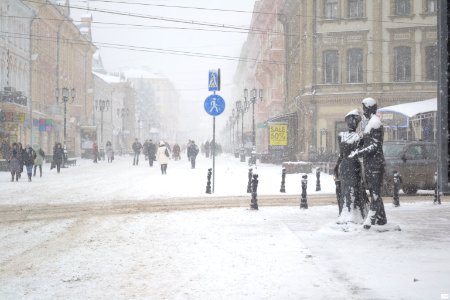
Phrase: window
(355, 8)
(402, 64)
(402, 8)
(355, 65)
(431, 6)
(431, 57)
(331, 66)
(331, 9)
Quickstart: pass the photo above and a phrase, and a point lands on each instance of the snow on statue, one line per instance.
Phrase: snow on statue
(373, 158)
(348, 170)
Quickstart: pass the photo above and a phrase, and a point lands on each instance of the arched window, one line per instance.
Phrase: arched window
(402, 64)
(355, 65)
(331, 66)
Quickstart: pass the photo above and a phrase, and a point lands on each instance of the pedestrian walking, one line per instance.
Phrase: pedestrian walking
(207, 149)
(163, 157)
(192, 153)
(145, 149)
(39, 160)
(151, 152)
(95, 152)
(176, 152)
(109, 152)
(28, 160)
(14, 163)
(137, 147)
(58, 154)
(20, 157)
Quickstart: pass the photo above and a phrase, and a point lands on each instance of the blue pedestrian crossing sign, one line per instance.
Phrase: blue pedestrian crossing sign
(214, 80)
(214, 105)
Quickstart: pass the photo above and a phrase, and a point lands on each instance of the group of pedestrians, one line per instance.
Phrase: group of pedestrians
(20, 157)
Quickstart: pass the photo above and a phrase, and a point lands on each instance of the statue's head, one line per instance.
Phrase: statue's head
(369, 107)
(353, 118)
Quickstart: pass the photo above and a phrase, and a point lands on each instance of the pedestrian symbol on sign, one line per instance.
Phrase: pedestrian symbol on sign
(214, 80)
(214, 105)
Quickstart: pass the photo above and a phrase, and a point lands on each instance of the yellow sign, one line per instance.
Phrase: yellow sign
(278, 135)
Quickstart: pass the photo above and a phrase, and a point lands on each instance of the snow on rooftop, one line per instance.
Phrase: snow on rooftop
(412, 108)
(141, 73)
(107, 78)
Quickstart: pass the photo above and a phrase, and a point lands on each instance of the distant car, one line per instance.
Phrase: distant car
(416, 163)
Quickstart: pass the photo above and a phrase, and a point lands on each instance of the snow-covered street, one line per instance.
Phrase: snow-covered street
(228, 253)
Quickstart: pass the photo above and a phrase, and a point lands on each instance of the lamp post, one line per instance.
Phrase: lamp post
(253, 97)
(101, 106)
(66, 95)
(122, 113)
(323, 132)
(241, 108)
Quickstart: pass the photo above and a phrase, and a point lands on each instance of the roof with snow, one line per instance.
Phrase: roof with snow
(141, 73)
(108, 78)
(412, 108)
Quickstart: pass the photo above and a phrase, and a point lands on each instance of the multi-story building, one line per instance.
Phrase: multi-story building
(157, 105)
(15, 58)
(339, 52)
(259, 78)
(62, 91)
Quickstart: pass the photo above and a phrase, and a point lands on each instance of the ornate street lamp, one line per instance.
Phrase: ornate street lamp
(101, 106)
(253, 96)
(241, 108)
(66, 95)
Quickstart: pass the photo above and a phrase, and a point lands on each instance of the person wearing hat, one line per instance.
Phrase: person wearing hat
(373, 160)
(151, 152)
(163, 156)
(348, 170)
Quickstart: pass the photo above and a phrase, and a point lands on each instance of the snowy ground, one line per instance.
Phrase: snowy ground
(233, 253)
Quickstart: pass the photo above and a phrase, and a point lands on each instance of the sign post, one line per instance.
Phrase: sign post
(214, 105)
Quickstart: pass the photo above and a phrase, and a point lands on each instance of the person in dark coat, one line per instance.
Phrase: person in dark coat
(373, 159)
(151, 152)
(137, 147)
(348, 170)
(58, 154)
(207, 149)
(95, 152)
(14, 163)
(20, 157)
(176, 152)
(192, 153)
(28, 160)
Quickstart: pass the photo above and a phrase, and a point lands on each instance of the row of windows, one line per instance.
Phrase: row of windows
(402, 63)
(355, 8)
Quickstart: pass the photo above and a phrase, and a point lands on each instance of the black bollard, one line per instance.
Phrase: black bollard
(437, 197)
(318, 179)
(283, 176)
(254, 202)
(339, 199)
(397, 182)
(208, 183)
(303, 201)
(249, 184)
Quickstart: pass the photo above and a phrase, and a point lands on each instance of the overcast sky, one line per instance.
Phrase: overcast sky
(188, 73)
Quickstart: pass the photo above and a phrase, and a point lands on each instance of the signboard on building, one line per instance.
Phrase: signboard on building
(278, 134)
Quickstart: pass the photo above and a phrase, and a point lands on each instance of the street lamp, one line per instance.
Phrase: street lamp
(241, 108)
(67, 96)
(101, 106)
(253, 97)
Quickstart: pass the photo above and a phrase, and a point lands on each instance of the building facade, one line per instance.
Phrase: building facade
(339, 52)
(15, 104)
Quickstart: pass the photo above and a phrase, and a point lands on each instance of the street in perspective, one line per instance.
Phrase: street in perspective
(201, 149)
